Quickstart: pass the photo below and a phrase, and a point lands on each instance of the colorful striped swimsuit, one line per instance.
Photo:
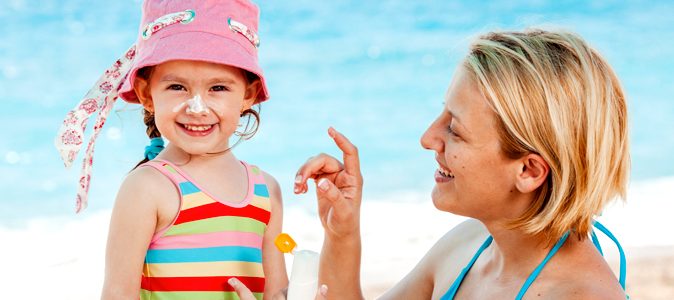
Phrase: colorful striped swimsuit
(209, 242)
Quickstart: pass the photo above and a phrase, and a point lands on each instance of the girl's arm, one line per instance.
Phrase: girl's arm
(273, 262)
(132, 225)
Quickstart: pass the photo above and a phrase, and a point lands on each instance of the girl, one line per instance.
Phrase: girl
(191, 216)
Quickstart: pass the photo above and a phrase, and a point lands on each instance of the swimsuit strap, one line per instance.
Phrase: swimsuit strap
(455, 286)
(533, 275)
(623, 262)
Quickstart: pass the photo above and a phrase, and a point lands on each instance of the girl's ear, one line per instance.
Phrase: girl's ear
(252, 90)
(533, 173)
(142, 89)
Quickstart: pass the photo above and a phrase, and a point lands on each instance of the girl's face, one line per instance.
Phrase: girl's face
(473, 177)
(223, 89)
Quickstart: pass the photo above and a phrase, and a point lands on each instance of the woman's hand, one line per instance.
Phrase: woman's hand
(339, 187)
(245, 294)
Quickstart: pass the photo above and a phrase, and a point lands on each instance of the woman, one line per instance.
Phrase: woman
(532, 144)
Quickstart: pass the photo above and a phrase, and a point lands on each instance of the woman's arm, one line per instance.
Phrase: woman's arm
(132, 225)
(339, 192)
(273, 262)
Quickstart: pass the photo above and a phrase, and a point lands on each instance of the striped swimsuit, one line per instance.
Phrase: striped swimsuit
(209, 242)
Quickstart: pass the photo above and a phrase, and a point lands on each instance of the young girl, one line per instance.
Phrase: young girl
(191, 216)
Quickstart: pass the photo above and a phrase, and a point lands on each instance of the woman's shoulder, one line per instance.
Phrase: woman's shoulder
(452, 253)
(578, 271)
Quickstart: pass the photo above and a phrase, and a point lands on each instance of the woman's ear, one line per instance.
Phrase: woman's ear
(534, 173)
(142, 89)
(250, 97)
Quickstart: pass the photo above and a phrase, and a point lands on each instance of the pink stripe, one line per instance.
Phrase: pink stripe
(204, 240)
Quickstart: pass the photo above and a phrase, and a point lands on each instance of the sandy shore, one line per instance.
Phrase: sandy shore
(65, 255)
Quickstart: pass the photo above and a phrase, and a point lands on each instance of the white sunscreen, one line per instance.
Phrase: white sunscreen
(304, 275)
(197, 105)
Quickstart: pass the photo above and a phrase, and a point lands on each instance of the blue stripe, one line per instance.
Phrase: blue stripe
(229, 253)
(261, 190)
(188, 188)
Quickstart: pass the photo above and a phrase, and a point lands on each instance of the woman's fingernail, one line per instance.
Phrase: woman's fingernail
(297, 189)
(324, 290)
(232, 282)
(298, 178)
(331, 132)
(323, 184)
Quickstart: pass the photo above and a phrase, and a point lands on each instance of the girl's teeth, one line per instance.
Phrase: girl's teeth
(198, 128)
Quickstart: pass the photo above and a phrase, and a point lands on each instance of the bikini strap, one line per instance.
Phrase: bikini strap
(455, 286)
(623, 261)
(533, 275)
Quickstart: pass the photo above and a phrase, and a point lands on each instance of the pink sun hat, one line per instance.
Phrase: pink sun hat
(216, 31)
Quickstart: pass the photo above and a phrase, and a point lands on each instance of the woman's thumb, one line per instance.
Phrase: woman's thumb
(241, 289)
(332, 194)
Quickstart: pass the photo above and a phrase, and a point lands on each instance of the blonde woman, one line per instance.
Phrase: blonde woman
(532, 144)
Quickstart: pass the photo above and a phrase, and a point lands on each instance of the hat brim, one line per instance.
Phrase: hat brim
(197, 46)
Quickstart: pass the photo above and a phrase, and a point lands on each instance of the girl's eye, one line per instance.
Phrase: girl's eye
(219, 88)
(176, 87)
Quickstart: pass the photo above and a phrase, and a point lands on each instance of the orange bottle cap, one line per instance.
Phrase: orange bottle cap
(285, 243)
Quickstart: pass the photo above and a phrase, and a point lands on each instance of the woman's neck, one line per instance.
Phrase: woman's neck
(514, 253)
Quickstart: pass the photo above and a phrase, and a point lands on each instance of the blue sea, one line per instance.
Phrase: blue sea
(375, 70)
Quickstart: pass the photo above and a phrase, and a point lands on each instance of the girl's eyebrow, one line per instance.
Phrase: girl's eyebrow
(171, 77)
(225, 80)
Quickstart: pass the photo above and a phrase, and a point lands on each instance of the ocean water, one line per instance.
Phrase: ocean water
(375, 70)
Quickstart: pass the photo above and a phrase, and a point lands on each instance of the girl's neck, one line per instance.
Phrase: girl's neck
(204, 162)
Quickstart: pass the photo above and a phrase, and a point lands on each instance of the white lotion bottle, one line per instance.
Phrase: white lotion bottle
(304, 276)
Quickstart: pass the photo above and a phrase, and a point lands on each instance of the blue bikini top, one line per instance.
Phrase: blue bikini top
(455, 287)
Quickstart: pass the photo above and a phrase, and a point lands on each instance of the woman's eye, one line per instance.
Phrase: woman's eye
(451, 131)
(219, 88)
(176, 87)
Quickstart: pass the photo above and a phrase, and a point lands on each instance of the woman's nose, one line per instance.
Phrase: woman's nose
(431, 139)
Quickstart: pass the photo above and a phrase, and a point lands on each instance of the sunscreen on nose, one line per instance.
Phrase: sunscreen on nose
(197, 105)
(304, 275)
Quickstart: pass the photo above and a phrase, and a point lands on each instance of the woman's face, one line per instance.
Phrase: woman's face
(473, 178)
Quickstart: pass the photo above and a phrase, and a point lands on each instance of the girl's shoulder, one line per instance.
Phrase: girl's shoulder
(274, 190)
(148, 187)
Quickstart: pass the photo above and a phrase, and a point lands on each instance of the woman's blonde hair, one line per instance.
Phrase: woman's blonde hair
(556, 96)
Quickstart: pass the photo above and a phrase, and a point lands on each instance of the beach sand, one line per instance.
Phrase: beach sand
(64, 256)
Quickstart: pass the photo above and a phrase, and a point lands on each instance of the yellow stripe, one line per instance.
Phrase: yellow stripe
(196, 199)
(261, 202)
(202, 269)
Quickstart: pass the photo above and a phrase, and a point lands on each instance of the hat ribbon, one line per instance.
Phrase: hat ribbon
(101, 97)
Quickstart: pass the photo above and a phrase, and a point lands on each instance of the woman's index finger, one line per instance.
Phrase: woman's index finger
(351, 160)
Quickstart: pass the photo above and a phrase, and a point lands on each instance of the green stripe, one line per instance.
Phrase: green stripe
(255, 170)
(144, 294)
(226, 223)
(171, 169)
